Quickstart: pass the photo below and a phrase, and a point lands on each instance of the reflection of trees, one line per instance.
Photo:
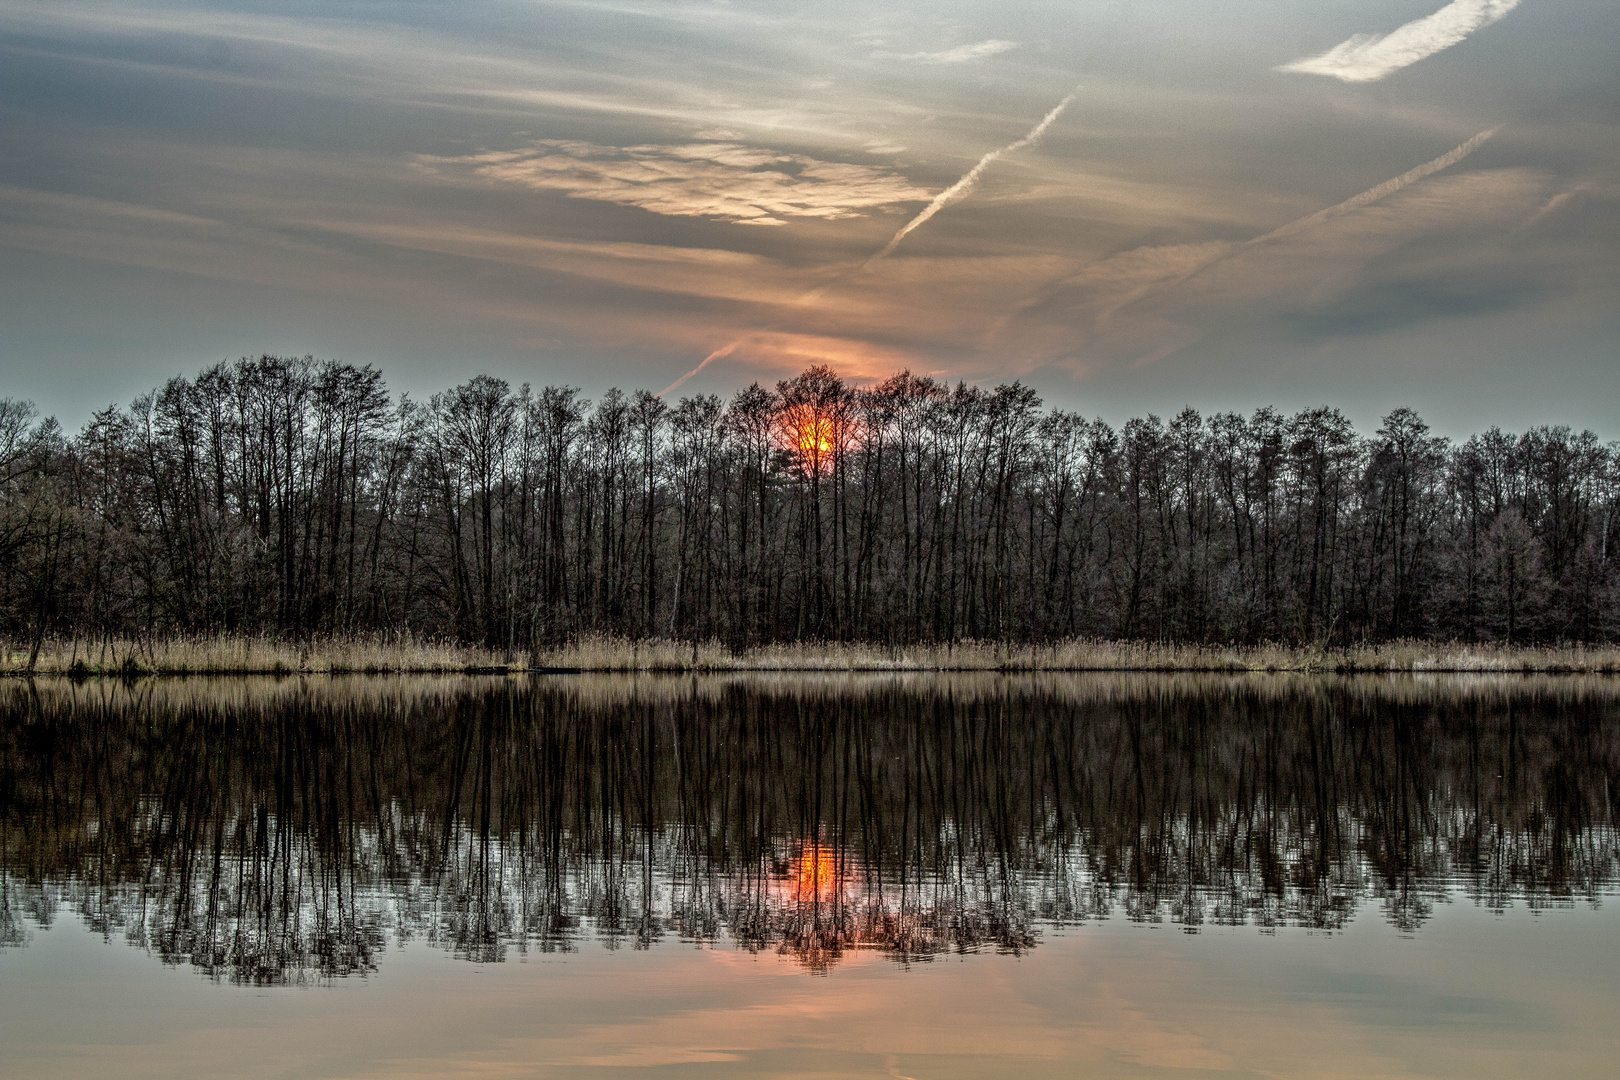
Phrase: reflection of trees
(290, 831)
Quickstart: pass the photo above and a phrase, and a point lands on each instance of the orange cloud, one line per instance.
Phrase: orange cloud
(727, 181)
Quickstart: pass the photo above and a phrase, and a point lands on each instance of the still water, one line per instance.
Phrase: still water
(827, 876)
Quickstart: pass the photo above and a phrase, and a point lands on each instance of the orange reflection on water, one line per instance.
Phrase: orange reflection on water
(815, 906)
(818, 875)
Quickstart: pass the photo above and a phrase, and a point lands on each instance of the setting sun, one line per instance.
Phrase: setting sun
(816, 435)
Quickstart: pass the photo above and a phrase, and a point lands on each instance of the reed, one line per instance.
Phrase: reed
(222, 654)
(252, 654)
(1079, 654)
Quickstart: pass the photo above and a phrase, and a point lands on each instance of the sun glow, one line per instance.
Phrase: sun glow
(816, 876)
(815, 435)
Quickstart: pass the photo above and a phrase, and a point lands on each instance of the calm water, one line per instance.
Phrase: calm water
(821, 876)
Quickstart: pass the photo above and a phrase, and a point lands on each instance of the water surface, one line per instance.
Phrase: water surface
(923, 876)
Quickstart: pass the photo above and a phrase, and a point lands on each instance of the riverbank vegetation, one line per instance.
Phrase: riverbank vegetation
(220, 520)
(248, 654)
(231, 654)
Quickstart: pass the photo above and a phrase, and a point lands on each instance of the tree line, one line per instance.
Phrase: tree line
(298, 497)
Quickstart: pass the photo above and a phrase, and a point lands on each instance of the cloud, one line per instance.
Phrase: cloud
(706, 273)
(723, 180)
(959, 55)
(744, 80)
(78, 207)
(1381, 306)
(789, 351)
(1368, 57)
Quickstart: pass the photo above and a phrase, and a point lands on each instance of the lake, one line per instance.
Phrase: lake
(911, 876)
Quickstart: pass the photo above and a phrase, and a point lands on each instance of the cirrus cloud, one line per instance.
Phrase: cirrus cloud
(1369, 57)
(959, 55)
(727, 181)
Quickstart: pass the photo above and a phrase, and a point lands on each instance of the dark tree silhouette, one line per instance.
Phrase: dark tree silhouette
(292, 496)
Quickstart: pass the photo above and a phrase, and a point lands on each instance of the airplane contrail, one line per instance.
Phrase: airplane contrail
(721, 352)
(965, 184)
(1354, 202)
(1373, 194)
(1190, 260)
(940, 201)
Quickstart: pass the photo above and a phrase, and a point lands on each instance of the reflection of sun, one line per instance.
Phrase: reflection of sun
(816, 902)
(815, 876)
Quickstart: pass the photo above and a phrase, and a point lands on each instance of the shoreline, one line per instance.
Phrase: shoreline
(241, 655)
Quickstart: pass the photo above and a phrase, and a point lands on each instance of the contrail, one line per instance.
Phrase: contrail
(964, 185)
(1354, 202)
(720, 353)
(940, 201)
(1193, 260)
(1373, 194)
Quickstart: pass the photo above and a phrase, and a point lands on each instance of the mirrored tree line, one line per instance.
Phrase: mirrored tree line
(269, 832)
(298, 497)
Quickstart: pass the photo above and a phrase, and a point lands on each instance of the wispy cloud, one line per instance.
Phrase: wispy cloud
(82, 206)
(959, 55)
(1554, 204)
(747, 84)
(1368, 57)
(705, 273)
(722, 180)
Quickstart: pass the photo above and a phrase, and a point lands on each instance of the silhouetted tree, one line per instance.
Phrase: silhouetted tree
(289, 495)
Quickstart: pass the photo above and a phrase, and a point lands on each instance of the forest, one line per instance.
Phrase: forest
(299, 497)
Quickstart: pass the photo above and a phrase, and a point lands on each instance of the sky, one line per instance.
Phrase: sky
(1131, 206)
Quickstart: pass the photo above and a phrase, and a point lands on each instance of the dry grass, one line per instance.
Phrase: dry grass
(377, 654)
(244, 654)
(614, 654)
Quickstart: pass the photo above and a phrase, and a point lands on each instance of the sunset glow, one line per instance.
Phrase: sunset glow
(816, 876)
(815, 435)
(608, 203)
